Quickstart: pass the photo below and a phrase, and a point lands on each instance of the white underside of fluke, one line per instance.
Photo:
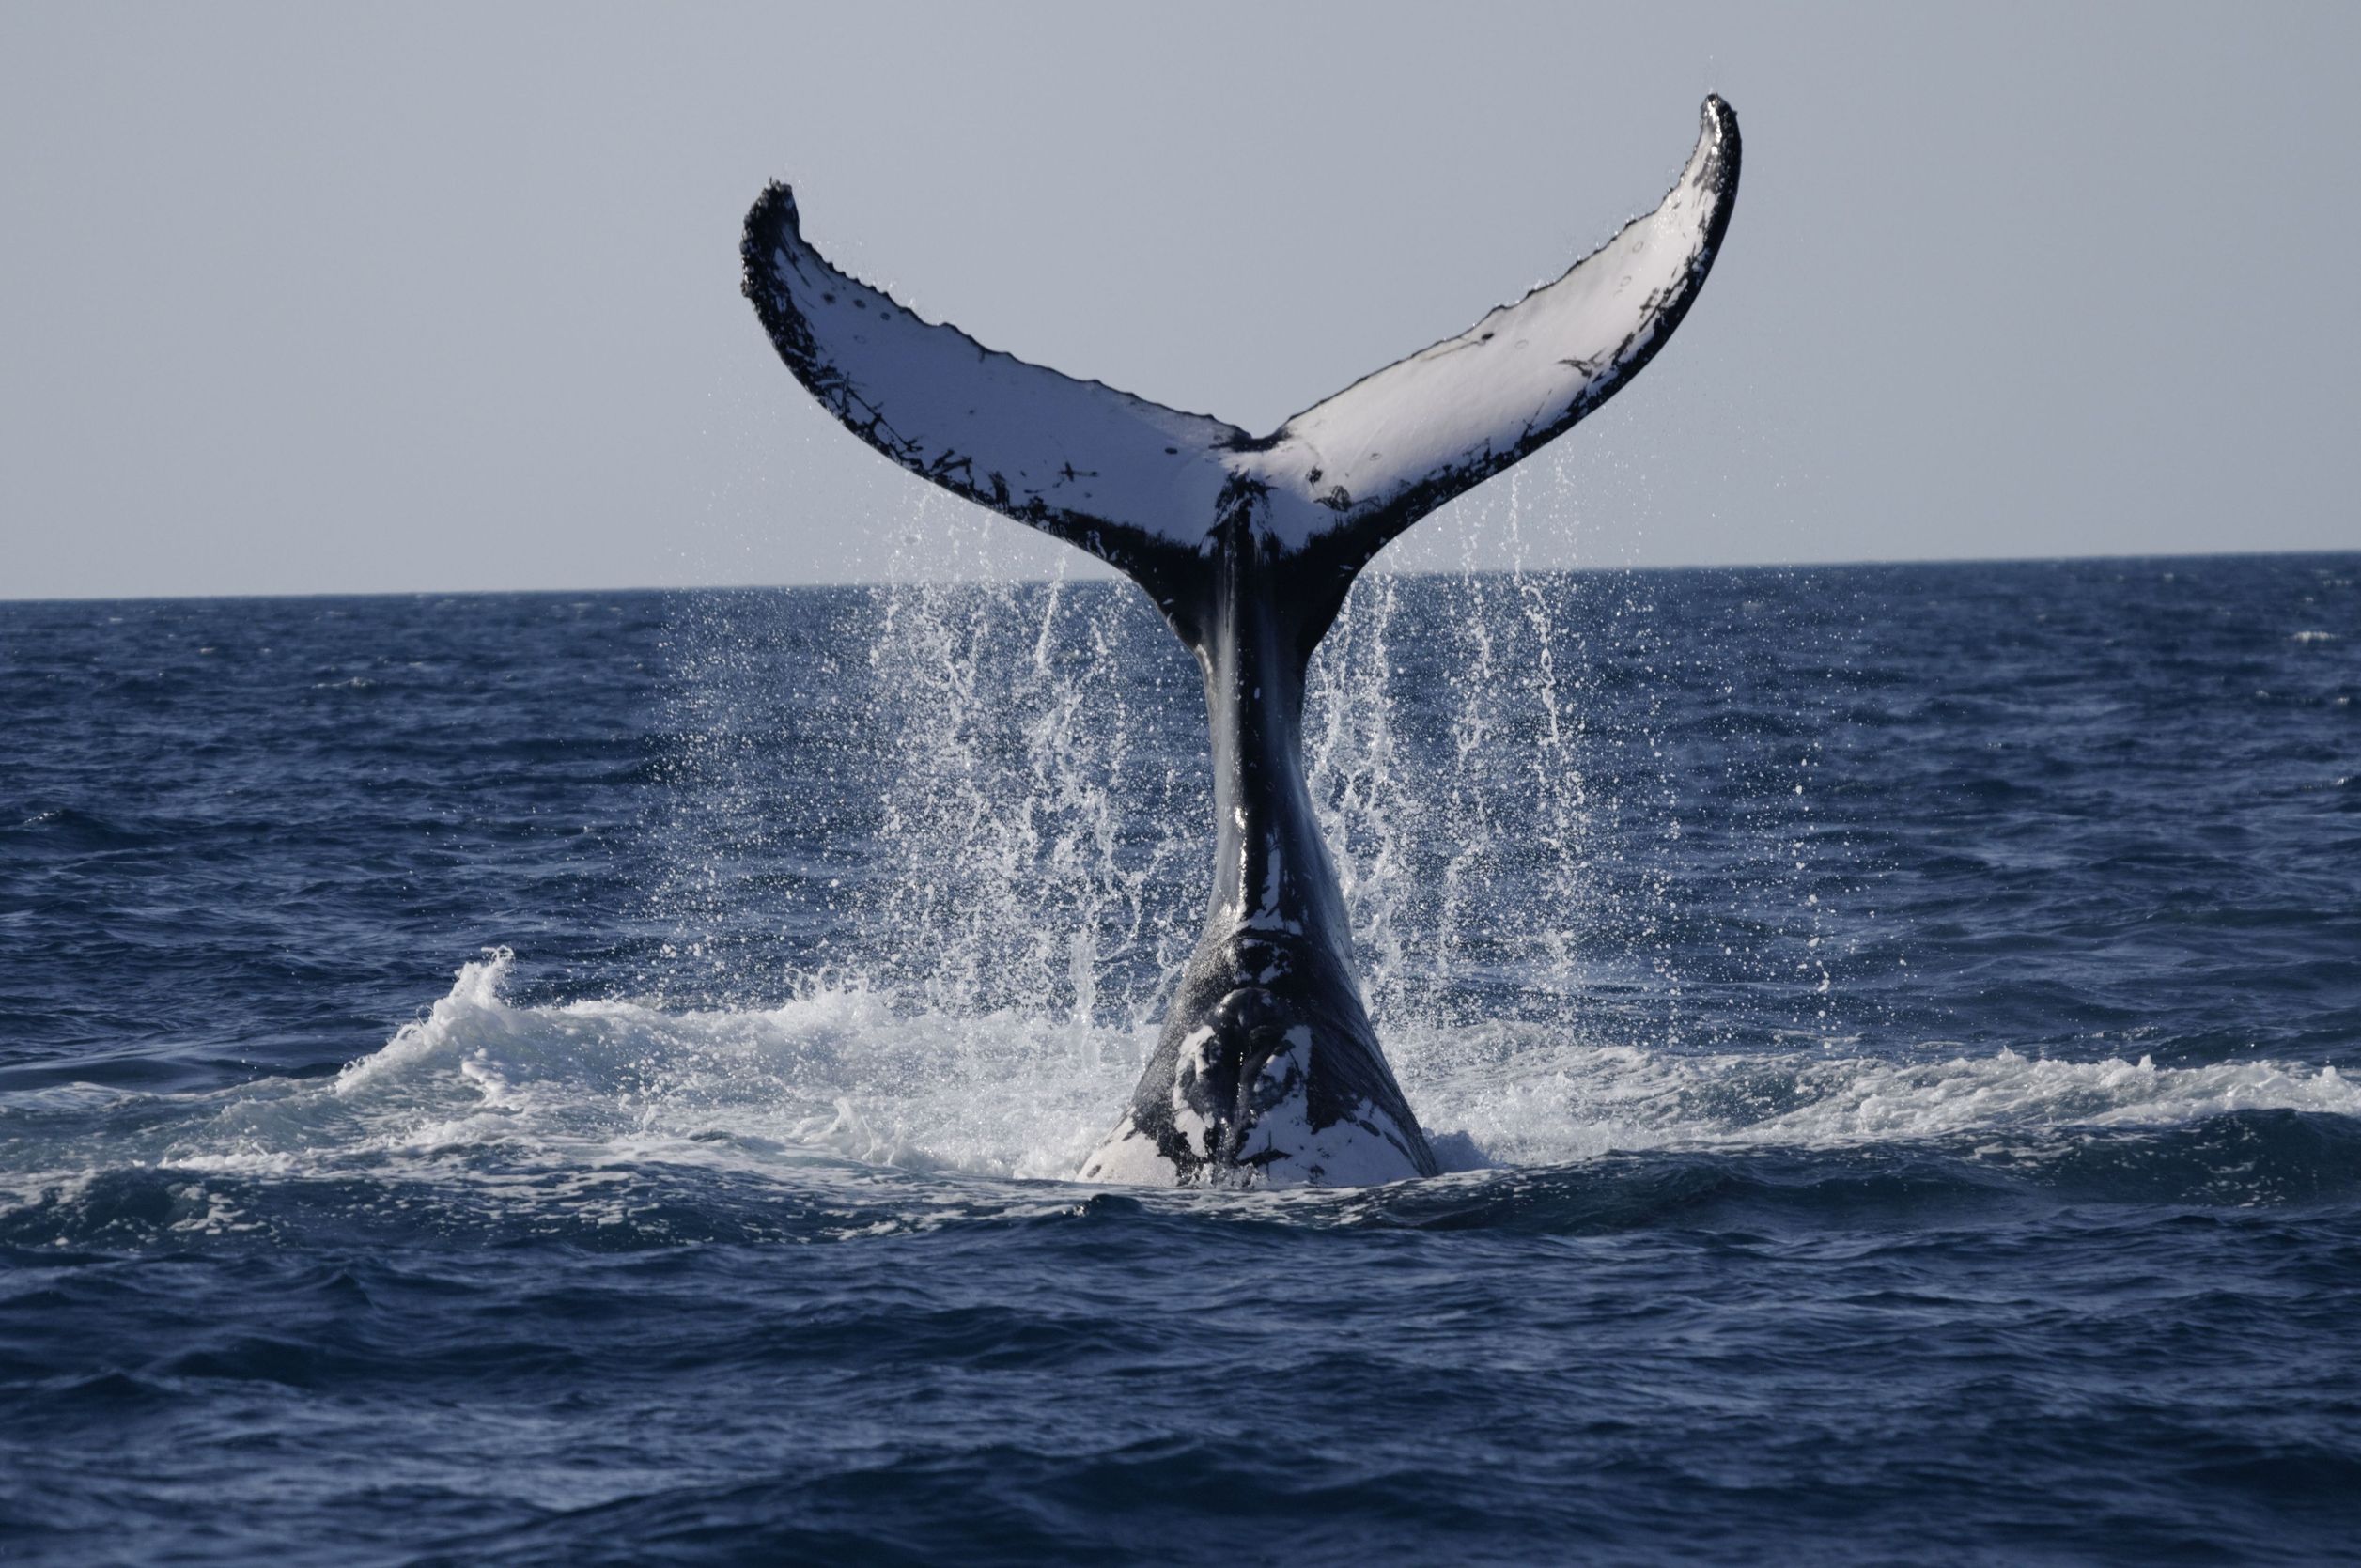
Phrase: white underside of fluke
(1063, 453)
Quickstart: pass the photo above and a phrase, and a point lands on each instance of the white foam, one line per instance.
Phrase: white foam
(1533, 1098)
(558, 1103)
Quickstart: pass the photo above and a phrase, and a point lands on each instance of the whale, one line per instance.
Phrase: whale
(1266, 1071)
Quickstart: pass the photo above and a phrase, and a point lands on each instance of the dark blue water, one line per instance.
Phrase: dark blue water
(588, 1079)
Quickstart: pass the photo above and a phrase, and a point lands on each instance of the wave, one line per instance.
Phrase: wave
(844, 1111)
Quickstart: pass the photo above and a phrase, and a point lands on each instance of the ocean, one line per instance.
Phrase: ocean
(585, 1078)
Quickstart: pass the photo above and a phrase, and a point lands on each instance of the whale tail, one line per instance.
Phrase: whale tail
(1153, 491)
(1267, 1070)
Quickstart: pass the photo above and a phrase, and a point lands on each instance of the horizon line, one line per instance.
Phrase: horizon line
(1098, 574)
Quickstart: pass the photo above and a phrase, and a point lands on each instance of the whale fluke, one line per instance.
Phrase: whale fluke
(1267, 1070)
(1139, 486)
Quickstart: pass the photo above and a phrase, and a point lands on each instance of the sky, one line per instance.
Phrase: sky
(303, 299)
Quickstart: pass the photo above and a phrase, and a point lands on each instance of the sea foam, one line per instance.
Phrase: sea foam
(485, 1092)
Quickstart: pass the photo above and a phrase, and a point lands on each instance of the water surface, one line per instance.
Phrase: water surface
(592, 1079)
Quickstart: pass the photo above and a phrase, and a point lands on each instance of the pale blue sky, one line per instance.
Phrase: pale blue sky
(310, 298)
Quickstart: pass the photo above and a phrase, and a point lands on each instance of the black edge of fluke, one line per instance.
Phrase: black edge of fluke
(773, 211)
(771, 220)
(1720, 176)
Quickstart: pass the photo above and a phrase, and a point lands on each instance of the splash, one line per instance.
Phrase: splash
(1004, 815)
(1498, 773)
(599, 1113)
(1030, 862)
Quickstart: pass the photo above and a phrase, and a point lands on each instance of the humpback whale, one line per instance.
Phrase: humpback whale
(1266, 1071)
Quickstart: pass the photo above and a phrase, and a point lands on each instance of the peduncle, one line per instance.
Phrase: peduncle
(1271, 868)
